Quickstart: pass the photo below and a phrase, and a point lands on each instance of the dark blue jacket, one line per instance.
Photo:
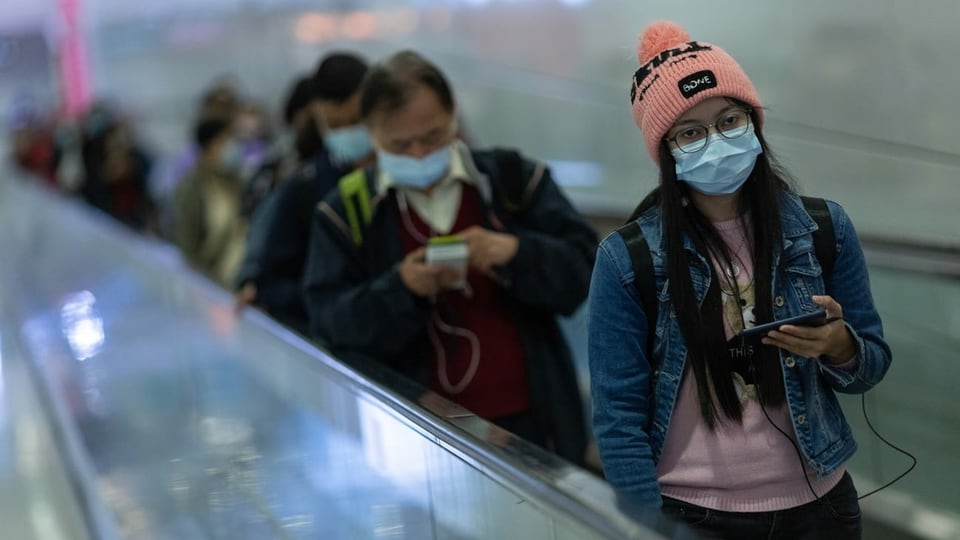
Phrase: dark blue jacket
(359, 306)
(279, 238)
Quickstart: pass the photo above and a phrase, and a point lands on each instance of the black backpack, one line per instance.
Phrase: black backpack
(645, 280)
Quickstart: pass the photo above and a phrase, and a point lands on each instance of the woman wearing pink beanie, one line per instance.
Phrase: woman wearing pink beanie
(738, 434)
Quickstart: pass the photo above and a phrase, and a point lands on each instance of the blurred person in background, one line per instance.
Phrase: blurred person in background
(307, 139)
(279, 236)
(486, 338)
(33, 146)
(209, 229)
(116, 170)
(285, 155)
(254, 134)
(220, 101)
(69, 141)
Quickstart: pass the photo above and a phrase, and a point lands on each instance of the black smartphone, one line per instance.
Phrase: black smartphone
(814, 318)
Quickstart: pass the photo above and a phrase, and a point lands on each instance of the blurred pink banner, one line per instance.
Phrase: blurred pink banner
(74, 62)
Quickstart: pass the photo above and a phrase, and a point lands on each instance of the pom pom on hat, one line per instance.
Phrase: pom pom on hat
(675, 74)
(658, 37)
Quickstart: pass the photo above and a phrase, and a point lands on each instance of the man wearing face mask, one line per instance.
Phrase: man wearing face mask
(487, 338)
(209, 228)
(292, 149)
(280, 231)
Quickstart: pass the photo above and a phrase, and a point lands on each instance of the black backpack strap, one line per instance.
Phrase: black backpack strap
(824, 241)
(513, 179)
(643, 277)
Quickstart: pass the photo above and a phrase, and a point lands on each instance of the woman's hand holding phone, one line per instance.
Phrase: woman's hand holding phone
(831, 340)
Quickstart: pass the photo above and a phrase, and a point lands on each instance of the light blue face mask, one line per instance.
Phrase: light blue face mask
(412, 172)
(231, 157)
(722, 166)
(348, 145)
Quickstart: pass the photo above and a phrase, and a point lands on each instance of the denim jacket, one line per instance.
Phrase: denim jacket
(634, 398)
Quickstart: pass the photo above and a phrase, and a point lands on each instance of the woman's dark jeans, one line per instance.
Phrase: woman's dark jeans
(835, 516)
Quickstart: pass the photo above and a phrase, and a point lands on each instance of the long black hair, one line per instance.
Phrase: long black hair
(702, 325)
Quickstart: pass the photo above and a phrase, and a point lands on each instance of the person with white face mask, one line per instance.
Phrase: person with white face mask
(280, 229)
(486, 337)
(739, 437)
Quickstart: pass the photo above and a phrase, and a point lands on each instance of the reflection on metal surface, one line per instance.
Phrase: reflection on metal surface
(81, 324)
(212, 426)
(224, 432)
(389, 447)
(388, 521)
(222, 319)
(3, 401)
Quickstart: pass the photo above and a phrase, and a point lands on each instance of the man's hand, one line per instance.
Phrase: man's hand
(246, 296)
(426, 280)
(489, 249)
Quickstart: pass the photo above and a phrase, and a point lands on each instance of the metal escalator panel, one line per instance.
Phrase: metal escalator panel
(197, 423)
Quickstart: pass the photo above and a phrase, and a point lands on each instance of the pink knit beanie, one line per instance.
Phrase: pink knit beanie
(675, 74)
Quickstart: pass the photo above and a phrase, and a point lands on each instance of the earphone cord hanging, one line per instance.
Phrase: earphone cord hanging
(474, 365)
(471, 337)
(863, 404)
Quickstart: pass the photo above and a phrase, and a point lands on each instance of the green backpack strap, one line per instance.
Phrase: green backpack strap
(356, 199)
(824, 241)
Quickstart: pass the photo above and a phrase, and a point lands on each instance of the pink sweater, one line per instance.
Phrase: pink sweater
(750, 467)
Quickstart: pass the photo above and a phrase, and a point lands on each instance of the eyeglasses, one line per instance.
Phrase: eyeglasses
(730, 125)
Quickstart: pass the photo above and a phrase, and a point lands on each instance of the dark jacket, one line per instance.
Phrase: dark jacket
(358, 304)
(279, 238)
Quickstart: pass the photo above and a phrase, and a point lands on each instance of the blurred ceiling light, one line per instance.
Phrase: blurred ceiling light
(402, 21)
(359, 25)
(316, 28)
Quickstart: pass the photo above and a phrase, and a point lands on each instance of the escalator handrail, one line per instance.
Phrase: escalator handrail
(533, 471)
(911, 255)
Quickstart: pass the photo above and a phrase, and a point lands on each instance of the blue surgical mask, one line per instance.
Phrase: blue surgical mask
(722, 166)
(412, 172)
(348, 145)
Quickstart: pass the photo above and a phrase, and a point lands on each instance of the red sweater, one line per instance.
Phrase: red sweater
(499, 385)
